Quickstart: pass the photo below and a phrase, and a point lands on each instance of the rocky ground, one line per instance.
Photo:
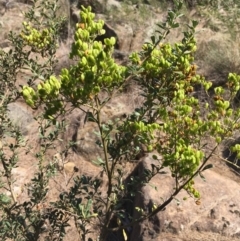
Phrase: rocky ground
(217, 217)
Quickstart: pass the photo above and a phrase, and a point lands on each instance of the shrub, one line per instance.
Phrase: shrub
(171, 124)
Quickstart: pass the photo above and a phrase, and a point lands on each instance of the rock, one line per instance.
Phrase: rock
(21, 174)
(96, 6)
(77, 164)
(85, 133)
(84, 136)
(117, 54)
(109, 32)
(5, 44)
(74, 15)
(125, 33)
(111, 3)
(3, 7)
(219, 211)
(70, 167)
(20, 115)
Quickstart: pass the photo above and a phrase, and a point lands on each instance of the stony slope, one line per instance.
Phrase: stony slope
(218, 216)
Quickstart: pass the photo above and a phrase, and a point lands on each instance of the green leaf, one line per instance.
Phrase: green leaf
(178, 4)
(162, 26)
(207, 167)
(154, 157)
(171, 14)
(180, 15)
(194, 23)
(89, 205)
(153, 39)
(175, 25)
(201, 175)
(89, 117)
(80, 208)
(187, 52)
(4, 199)
(98, 162)
(177, 200)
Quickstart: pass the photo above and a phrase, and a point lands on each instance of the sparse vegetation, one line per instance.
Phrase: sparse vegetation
(178, 131)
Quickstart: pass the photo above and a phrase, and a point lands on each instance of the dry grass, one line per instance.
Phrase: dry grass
(218, 55)
(218, 42)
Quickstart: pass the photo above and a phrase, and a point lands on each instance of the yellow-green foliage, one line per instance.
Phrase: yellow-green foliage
(171, 120)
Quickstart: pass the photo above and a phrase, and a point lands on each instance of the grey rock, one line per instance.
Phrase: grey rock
(20, 115)
(219, 211)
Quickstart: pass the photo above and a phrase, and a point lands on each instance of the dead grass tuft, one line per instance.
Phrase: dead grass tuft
(217, 55)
